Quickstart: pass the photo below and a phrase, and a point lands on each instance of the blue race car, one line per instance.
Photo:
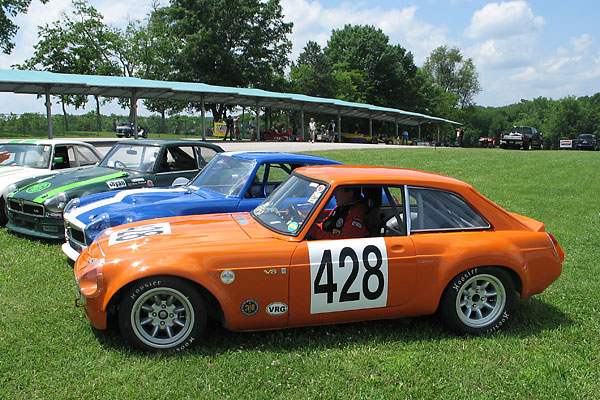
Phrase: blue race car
(231, 182)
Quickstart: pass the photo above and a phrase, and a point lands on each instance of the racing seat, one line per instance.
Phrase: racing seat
(373, 217)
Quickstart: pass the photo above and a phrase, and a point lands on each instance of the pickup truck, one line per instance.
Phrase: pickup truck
(521, 137)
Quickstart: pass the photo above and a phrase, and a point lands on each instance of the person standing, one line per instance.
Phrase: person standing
(405, 137)
(312, 127)
(252, 129)
(459, 136)
(229, 128)
(236, 127)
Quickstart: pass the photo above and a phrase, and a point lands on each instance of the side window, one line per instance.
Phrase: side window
(438, 210)
(180, 159)
(73, 162)
(85, 156)
(392, 211)
(61, 158)
(204, 155)
(267, 178)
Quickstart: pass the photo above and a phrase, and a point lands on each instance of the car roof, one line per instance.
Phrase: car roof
(45, 142)
(372, 175)
(272, 156)
(165, 142)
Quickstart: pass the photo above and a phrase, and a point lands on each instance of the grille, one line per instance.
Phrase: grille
(28, 208)
(76, 235)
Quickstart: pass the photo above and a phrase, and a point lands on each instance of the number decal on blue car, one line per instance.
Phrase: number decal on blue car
(125, 235)
(350, 274)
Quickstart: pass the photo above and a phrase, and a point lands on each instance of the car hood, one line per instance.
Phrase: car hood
(78, 180)
(170, 234)
(10, 174)
(137, 204)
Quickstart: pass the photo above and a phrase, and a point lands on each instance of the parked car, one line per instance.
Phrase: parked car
(458, 253)
(360, 138)
(127, 130)
(521, 137)
(32, 158)
(230, 182)
(35, 206)
(587, 141)
(486, 142)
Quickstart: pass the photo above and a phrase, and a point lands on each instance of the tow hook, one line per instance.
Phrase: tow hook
(78, 303)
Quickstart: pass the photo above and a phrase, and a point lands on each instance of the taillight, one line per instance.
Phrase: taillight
(557, 249)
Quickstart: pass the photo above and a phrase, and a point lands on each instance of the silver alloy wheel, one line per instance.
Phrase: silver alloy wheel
(480, 300)
(162, 317)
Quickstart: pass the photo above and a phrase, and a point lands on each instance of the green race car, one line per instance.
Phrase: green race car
(35, 206)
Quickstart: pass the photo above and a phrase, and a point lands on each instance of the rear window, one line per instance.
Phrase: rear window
(522, 129)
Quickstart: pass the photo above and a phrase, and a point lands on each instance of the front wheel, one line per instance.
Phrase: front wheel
(479, 300)
(162, 313)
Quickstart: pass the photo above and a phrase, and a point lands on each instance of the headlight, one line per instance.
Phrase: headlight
(9, 189)
(56, 204)
(71, 205)
(98, 225)
(91, 282)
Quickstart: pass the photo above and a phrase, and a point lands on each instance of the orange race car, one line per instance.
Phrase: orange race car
(458, 253)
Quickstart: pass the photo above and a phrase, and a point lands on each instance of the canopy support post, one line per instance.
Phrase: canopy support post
(49, 112)
(203, 118)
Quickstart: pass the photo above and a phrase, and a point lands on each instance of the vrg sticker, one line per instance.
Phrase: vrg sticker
(125, 235)
(350, 274)
(116, 184)
(277, 309)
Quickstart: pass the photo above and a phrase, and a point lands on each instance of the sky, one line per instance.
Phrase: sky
(521, 49)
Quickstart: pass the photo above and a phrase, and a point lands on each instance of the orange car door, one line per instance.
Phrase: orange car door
(350, 279)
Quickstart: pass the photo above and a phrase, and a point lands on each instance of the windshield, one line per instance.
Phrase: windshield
(131, 156)
(225, 174)
(27, 155)
(290, 205)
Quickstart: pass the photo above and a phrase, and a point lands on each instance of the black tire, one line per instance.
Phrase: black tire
(3, 216)
(526, 145)
(478, 301)
(127, 134)
(162, 313)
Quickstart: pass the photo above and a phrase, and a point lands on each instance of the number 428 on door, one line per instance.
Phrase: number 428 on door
(350, 274)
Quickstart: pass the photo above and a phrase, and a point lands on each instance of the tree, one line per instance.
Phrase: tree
(311, 73)
(388, 71)
(79, 43)
(10, 9)
(453, 74)
(238, 43)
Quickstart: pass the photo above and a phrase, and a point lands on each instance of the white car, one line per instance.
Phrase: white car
(33, 158)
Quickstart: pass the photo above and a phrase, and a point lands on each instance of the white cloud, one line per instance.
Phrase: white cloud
(504, 19)
(313, 21)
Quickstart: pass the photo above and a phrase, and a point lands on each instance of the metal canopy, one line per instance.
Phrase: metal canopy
(43, 82)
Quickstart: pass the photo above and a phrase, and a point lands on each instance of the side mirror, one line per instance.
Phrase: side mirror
(181, 181)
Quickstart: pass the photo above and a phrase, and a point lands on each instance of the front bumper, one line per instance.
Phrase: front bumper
(41, 227)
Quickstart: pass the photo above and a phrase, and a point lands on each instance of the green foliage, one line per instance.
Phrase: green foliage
(565, 118)
(548, 351)
(240, 43)
(9, 9)
(453, 74)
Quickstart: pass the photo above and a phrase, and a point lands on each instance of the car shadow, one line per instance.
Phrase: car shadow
(531, 317)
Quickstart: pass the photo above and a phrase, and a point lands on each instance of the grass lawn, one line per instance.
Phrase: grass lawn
(550, 350)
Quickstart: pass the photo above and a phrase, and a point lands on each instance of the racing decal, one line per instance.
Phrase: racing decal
(41, 198)
(293, 226)
(277, 309)
(38, 187)
(116, 184)
(348, 274)
(227, 276)
(249, 307)
(137, 232)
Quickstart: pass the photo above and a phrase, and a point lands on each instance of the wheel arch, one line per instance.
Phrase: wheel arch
(213, 306)
(515, 277)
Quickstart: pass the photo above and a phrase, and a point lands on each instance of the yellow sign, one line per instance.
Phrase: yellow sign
(220, 129)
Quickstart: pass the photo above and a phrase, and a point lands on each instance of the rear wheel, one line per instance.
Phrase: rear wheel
(162, 313)
(479, 300)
